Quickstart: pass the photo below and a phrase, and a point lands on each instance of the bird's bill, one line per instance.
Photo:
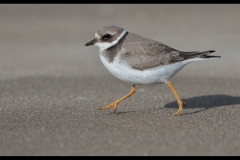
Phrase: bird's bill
(92, 42)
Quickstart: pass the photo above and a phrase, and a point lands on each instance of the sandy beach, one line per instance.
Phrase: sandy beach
(52, 86)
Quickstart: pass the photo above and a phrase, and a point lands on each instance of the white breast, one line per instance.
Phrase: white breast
(123, 71)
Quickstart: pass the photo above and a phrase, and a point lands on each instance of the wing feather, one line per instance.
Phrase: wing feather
(143, 53)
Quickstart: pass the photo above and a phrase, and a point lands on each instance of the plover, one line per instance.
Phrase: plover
(141, 61)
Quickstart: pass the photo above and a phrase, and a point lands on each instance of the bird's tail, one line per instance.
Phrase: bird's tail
(196, 54)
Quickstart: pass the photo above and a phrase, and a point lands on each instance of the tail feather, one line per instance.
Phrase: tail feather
(195, 54)
(211, 51)
(211, 56)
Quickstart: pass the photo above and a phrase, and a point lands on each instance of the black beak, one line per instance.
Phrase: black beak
(92, 42)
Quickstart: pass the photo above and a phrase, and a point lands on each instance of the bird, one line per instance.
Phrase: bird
(141, 61)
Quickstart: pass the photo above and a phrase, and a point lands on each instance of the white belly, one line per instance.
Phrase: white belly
(123, 71)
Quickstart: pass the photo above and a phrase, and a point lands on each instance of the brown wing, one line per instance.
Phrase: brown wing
(142, 53)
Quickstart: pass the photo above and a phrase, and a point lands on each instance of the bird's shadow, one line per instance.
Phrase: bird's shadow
(206, 102)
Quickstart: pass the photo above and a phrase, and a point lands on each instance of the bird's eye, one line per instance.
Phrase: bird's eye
(106, 36)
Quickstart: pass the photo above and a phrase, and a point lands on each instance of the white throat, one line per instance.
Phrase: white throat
(106, 45)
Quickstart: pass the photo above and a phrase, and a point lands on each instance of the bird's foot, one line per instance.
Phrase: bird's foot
(114, 105)
(181, 104)
(178, 112)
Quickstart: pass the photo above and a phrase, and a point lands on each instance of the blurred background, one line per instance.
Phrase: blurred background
(48, 39)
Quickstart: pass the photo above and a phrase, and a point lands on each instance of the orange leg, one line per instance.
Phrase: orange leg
(180, 103)
(115, 103)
